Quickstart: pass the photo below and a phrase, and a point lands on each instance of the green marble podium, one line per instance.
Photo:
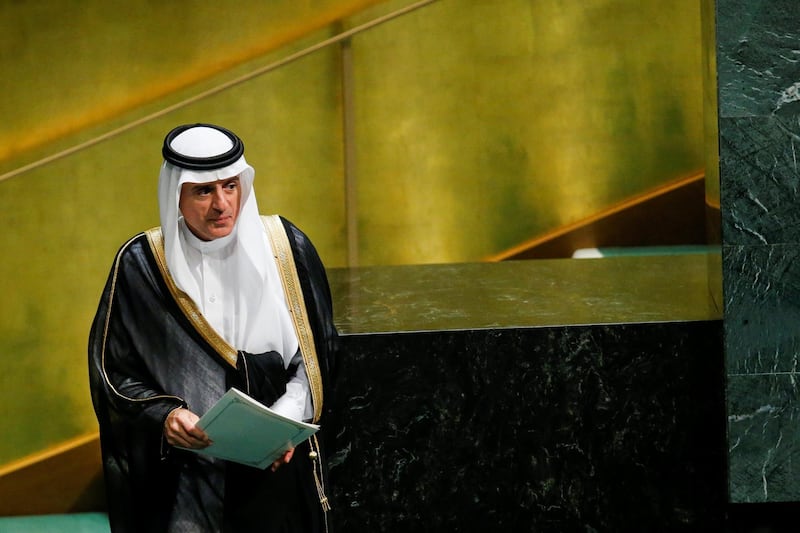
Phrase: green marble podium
(542, 395)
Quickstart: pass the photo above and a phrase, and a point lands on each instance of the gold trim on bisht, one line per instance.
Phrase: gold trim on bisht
(297, 306)
(186, 304)
(106, 325)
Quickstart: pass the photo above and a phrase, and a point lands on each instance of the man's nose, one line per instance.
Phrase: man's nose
(218, 199)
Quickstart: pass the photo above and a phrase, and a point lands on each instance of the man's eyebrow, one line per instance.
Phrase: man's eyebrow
(205, 186)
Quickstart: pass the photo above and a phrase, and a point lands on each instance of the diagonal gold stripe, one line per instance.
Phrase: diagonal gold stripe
(213, 91)
(614, 209)
(48, 453)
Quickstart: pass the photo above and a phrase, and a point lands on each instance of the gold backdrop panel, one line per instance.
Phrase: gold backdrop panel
(66, 65)
(480, 125)
(477, 125)
(70, 217)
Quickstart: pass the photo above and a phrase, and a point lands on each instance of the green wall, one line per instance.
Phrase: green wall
(477, 125)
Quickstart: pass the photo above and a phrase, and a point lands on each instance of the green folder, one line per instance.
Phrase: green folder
(248, 432)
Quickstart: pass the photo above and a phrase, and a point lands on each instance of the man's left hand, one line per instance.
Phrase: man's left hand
(283, 459)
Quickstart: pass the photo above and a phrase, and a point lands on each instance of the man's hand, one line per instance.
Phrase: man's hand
(283, 459)
(180, 429)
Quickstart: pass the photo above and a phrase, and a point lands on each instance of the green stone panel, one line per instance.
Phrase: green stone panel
(762, 436)
(758, 131)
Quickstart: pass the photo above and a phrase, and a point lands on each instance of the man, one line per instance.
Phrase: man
(217, 297)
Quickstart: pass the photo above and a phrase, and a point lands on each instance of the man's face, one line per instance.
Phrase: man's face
(210, 209)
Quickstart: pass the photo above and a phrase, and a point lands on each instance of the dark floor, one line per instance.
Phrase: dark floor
(764, 518)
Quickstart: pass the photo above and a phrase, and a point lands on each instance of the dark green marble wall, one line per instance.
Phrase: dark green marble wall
(758, 66)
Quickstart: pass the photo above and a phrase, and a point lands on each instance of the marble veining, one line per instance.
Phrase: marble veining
(757, 53)
(572, 428)
(760, 189)
(762, 437)
(762, 308)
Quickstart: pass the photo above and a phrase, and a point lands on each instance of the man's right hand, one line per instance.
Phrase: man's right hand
(180, 429)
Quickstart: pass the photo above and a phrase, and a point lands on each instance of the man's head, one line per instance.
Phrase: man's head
(210, 209)
(205, 190)
(206, 177)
